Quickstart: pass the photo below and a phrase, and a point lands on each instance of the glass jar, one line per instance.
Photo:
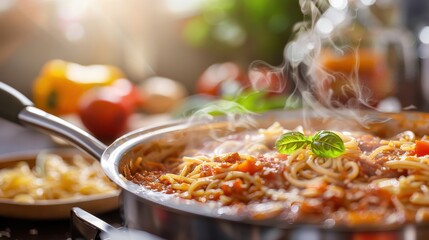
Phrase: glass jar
(355, 66)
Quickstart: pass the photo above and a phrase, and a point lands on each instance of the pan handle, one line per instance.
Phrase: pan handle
(87, 226)
(17, 108)
(12, 102)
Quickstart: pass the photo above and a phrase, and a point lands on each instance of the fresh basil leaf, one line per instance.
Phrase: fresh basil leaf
(290, 142)
(327, 144)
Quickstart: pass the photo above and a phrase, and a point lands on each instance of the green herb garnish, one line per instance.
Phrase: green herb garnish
(291, 141)
(324, 143)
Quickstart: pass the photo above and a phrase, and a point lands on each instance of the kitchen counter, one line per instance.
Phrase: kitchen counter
(11, 228)
(16, 139)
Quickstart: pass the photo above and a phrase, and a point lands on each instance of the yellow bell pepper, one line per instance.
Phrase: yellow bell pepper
(60, 84)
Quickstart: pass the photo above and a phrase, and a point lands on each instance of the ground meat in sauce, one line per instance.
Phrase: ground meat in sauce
(375, 167)
(367, 143)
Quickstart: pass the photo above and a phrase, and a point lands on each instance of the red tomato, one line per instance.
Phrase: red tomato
(105, 111)
(269, 79)
(422, 148)
(129, 92)
(229, 74)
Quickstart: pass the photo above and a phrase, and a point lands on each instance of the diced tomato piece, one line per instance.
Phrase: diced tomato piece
(250, 165)
(206, 171)
(422, 148)
(238, 185)
(311, 207)
(282, 156)
(232, 157)
(232, 187)
(364, 217)
(382, 194)
(319, 186)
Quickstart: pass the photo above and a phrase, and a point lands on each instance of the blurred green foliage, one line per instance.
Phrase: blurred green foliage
(258, 101)
(248, 101)
(244, 30)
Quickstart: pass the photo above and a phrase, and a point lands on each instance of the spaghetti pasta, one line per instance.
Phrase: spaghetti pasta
(374, 181)
(54, 178)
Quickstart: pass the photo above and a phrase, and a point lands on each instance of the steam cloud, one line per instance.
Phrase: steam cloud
(303, 75)
(312, 82)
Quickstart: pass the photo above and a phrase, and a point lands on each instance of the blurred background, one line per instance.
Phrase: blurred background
(190, 46)
(112, 66)
(174, 39)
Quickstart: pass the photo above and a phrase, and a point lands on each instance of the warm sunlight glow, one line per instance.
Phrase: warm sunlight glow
(72, 9)
(424, 35)
(338, 4)
(6, 5)
(183, 7)
(324, 26)
(368, 2)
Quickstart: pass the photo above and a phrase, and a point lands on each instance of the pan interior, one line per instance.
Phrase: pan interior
(173, 140)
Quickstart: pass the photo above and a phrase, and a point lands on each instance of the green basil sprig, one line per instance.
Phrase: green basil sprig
(324, 143)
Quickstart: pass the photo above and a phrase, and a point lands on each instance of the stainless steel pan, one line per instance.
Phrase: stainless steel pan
(173, 218)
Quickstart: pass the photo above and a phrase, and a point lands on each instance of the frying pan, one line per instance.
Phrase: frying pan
(173, 218)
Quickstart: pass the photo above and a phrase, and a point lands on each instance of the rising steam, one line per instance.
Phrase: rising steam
(235, 115)
(312, 82)
(326, 94)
